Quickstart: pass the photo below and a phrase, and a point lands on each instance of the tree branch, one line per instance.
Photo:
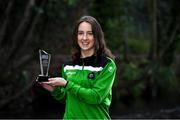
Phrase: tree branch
(6, 101)
(172, 39)
(23, 24)
(5, 22)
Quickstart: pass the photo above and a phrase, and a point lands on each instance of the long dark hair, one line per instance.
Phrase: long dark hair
(100, 44)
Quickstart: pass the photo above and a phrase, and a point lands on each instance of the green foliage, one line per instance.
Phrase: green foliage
(141, 75)
(72, 2)
(162, 80)
(56, 9)
(131, 76)
(108, 14)
(138, 46)
(178, 44)
(168, 75)
(130, 72)
(166, 80)
(112, 33)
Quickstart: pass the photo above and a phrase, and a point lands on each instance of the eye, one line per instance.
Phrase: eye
(90, 33)
(80, 33)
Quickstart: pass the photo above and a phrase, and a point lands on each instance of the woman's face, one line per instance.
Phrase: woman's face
(85, 38)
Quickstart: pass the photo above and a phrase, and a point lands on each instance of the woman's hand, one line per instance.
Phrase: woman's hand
(54, 82)
(57, 81)
(47, 86)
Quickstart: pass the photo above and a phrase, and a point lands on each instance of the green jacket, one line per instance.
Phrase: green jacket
(88, 93)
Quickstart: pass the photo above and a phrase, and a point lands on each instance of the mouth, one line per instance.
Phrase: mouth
(85, 43)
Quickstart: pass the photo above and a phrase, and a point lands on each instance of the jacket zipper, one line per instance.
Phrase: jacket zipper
(83, 68)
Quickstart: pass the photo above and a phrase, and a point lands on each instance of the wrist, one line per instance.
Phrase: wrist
(66, 84)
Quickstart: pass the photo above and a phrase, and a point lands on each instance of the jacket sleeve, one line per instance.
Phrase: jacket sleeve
(59, 93)
(101, 88)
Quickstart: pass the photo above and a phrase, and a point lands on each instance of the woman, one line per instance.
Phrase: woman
(86, 82)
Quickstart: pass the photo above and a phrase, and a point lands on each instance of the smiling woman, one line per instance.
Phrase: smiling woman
(87, 80)
(85, 39)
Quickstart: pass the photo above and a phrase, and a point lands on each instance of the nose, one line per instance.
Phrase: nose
(85, 36)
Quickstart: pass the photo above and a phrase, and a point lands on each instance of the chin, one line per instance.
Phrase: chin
(84, 49)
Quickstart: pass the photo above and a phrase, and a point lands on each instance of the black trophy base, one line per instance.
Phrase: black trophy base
(41, 78)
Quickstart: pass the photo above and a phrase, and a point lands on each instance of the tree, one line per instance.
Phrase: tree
(165, 26)
(25, 27)
(108, 13)
(18, 21)
(165, 22)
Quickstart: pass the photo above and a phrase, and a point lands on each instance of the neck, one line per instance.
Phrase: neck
(85, 54)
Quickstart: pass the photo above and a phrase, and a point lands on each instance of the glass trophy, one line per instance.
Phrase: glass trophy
(44, 58)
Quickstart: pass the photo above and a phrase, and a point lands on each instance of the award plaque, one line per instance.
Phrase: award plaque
(44, 58)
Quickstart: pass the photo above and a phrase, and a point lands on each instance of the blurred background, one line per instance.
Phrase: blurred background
(144, 35)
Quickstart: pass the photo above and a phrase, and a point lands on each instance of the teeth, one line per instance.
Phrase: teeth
(85, 43)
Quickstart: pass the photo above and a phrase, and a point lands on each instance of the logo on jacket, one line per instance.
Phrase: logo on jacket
(71, 73)
(91, 76)
(110, 69)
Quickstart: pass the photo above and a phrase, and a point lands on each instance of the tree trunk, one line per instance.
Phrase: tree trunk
(152, 7)
(17, 39)
(5, 22)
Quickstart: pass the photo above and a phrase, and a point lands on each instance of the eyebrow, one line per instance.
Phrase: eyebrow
(83, 31)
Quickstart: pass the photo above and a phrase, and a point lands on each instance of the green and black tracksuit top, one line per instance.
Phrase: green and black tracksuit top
(88, 92)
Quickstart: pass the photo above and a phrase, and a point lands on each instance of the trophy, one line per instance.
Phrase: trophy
(44, 58)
